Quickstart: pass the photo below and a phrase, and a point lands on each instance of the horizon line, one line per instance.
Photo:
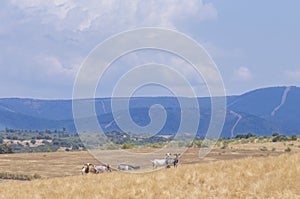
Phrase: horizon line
(144, 96)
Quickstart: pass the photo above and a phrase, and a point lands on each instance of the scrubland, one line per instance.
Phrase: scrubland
(251, 177)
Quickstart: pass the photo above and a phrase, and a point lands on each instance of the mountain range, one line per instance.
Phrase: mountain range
(261, 112)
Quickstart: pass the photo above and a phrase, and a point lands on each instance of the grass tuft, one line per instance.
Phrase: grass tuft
(17, 176)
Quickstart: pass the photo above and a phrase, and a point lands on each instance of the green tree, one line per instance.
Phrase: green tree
(5, 149)
(293, 137)
(275, 134)
(32, 141)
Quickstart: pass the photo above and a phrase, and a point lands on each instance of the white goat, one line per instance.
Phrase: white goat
(102, 168)
(126, 167)
(161, 162)
(173, 161)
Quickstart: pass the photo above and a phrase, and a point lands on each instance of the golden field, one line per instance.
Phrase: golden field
(239, 171)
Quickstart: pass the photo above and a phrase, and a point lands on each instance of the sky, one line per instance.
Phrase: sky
(43, 43)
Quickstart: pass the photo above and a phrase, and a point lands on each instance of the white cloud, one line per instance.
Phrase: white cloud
(52, 37)
(58, 8)
(52, 66)
(109, 13)
(243, 73)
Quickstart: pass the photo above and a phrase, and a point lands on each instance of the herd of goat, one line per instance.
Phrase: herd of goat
(168, 161)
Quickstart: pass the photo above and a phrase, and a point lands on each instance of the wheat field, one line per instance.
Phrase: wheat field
(253, 177)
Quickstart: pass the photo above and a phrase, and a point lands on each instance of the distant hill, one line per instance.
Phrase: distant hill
(261, 112)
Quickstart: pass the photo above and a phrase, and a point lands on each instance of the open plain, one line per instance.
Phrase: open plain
(251, 170)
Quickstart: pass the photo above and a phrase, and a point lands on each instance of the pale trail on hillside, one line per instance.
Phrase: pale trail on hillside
(7, 109)
(283, 99)
(103, 106)
(236, 123)
(110, 123)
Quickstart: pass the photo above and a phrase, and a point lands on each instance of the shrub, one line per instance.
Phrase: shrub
(264, 148)
(182, 144)
(16, 176)
(75, 147)
(273, 149)
(197, 143)
(111, 146)
(45, 142)
(294, 137)
(5, 149)
(280, 138)
(275, 134)
(225, 145)
(127, 146)
(160, 144)
(244, 141)
(288, 149)
(246, 136)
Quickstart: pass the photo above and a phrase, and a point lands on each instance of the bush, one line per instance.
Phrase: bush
(293, 137)
(197, 143)
(280, 138)
(111, 146)
(244, 141)
(264, 148)
(273, 149)
(288, 149)
(182, 144)
(16, 176)
(246, 136)
(45, 142)
(275, 134)
(160, 144)
(5, 149)
(75, 147)
(127, 146)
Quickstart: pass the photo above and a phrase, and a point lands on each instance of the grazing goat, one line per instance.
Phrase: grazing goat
(85, 169)
(92, 169)
(88, 168)
(126, 167)
(173, 161)
(161, 162)
(102, 168)
(168, 155)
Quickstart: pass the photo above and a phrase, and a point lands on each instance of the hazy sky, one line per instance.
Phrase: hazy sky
(43, 42)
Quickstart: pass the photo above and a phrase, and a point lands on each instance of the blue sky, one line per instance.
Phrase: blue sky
(43, 43)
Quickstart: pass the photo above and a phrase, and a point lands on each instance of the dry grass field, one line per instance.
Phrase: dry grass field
(252, 170)
(271, 177)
